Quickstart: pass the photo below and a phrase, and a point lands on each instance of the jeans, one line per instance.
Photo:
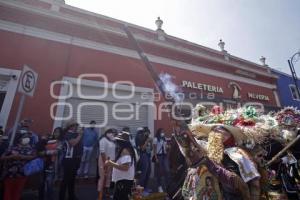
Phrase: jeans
(70, 166)
(58, 166)
(85, 160)
(163, 170)
(46, 189)
(145, 161)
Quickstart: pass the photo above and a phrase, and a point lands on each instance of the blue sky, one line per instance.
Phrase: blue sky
(250, 28)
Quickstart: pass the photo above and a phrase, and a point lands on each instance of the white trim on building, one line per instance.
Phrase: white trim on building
(276, 98)
(39, 33)
(296, 97)
(93, 24)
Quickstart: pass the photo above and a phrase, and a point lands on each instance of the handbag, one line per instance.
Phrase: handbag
(34, 166)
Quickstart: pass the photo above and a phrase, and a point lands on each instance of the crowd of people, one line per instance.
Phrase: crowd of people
(124, 160)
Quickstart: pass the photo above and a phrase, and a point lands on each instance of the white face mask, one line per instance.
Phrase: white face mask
(22, 131)
(25, 141)
(110, 136)
(162, 134)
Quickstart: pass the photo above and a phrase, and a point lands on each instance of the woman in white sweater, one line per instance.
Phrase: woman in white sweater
(123, 167)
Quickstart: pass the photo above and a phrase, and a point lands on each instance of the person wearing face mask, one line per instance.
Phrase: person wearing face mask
(16, 159)
(162, 170)
(107, 149)
(24, 128)
(90, 136)
(144, 147)
(72, 154)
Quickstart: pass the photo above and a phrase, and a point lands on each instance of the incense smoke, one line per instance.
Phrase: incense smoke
(169, 87)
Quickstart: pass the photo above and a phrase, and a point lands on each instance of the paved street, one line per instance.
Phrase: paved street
(84, 191)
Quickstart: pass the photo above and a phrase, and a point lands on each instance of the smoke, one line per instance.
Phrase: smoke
(169, 87)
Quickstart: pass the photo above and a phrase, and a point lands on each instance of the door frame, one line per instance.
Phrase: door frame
(12, 84)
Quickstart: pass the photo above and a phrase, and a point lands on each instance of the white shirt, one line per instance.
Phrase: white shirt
(108, 147)
(118, 175)
(159, 145)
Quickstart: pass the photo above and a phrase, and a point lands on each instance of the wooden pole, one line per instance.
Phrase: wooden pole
(280, 153)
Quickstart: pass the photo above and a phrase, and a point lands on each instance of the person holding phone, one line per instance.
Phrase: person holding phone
(123, 168)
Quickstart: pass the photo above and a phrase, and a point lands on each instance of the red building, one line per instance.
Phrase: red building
(62, 43)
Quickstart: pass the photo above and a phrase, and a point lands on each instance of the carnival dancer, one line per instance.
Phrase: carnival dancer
(238, 144)
(224, 158)
(287, 174)
(233, 168)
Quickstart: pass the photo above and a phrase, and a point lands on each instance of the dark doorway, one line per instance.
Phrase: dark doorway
(2, 97)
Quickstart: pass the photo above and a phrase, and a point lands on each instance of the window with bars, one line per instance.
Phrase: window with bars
(294, 92)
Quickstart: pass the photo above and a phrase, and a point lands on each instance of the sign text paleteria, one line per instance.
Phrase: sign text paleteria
(202, 86)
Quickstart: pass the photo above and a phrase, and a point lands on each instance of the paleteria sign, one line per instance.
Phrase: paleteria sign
(202, 86)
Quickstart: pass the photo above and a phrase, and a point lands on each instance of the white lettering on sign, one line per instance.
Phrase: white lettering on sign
(258, 96)
(202, 86)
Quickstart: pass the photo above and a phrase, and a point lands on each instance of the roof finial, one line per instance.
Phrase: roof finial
(159, 23)
(263, 60)
(222, 45)
(159, 30)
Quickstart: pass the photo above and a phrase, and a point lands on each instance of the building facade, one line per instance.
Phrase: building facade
(287, 90)
(89, 70)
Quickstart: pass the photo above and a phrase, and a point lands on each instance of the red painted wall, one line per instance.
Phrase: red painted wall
(53, 60)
